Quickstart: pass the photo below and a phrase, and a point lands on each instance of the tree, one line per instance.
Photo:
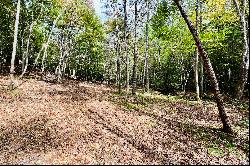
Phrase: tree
(126, 43)
(196, 66)
(245, 57)
(201, 63)
(146, 75)
(134, 76)
(12, 68)
(209, 69)
(117, 48)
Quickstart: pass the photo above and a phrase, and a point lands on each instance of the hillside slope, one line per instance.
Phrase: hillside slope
(86, 123)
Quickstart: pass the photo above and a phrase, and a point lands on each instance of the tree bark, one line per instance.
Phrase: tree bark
(26, 54)
(134, 77)
(245, 57)
(118, 68)
(146, 54)
(209, 69)
(159, 55)
(197, 55)
(117, 47)
(12, 68)
(125, 45)
(201, 62)
(201, 78)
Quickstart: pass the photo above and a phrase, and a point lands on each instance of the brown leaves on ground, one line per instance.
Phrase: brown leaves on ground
(85, 123)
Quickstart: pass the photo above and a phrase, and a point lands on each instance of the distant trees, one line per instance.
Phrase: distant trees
(145, 44)
(63, 38)
(163, 34)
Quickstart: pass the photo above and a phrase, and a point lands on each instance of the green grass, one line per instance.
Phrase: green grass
(246, 147)
(123, 93)
(215, 151)
(154, 98)
(131, 106)
(244, 106)
(158, 98)
(14, 93)
(245, 123)
(153, 123)
(217, 143)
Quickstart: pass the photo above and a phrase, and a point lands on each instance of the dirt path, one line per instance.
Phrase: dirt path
(83, 123)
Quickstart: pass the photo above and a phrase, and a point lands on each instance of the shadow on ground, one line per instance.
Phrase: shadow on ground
(32, 135)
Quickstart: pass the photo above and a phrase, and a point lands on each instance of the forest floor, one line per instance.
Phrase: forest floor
(86, 123)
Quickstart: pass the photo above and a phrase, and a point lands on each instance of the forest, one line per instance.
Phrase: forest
(147, 82)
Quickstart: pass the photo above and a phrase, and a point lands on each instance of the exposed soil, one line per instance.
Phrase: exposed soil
(86, 123)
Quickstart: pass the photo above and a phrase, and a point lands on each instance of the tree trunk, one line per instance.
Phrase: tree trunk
(186, 76)
(143, 75)
(134, 77)
(26, 54)
(117, 47)
(21, 51)
(118, 68)
(245, 57)
(146, 54)
(45, 45)
(201, 62)
(201, 78)
(196, 66)
(159, 55)
(209, 69)
(182, 73)
(125, 45)
(12, 68)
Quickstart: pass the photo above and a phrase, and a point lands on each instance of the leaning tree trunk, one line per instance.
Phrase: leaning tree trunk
(245, 57)
(209, 69)
(45, 45)
(12, 68)
(134, 77)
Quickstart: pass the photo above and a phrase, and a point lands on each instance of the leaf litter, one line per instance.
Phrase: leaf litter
(87, 123)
